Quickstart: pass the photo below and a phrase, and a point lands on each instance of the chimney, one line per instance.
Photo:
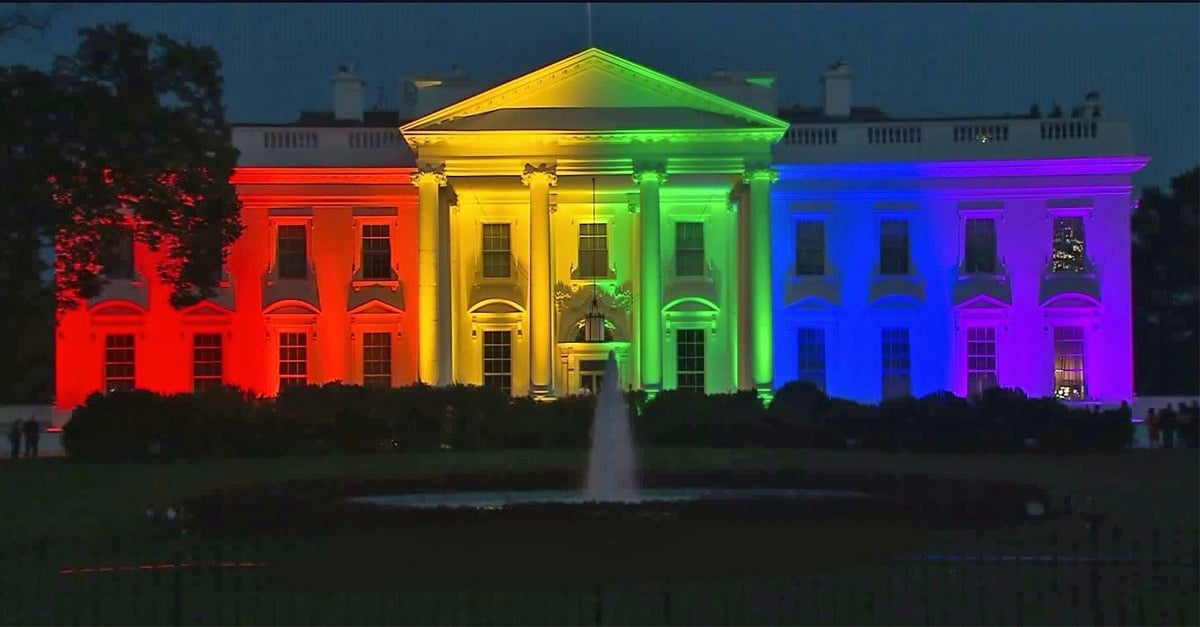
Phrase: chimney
(347, 95)
(835, 90)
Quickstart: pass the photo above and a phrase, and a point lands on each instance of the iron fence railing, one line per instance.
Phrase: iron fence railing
(1033, 575)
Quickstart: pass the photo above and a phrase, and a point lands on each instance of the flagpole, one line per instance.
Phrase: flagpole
(589, 23)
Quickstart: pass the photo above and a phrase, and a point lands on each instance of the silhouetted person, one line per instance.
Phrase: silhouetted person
(1167, 423)
(31, 428)
(1152, 428)
(14, 439)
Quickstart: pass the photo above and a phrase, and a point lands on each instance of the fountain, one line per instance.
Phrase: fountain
(612, 466)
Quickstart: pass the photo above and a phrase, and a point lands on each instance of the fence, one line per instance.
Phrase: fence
(1032, 575)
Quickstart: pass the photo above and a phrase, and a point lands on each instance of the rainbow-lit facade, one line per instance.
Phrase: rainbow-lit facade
(725, 247)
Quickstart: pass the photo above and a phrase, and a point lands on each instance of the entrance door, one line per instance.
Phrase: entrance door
(591, 374)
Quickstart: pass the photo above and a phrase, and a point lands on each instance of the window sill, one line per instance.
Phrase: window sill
(392, 284)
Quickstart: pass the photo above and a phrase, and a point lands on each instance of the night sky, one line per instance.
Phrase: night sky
(909, 59)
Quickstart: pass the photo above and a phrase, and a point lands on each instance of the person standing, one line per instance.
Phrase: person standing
(1166, 422)
(32, 433)
(1152, 428)
(14, 439)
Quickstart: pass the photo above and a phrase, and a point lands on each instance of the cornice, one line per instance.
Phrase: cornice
(617, 137)
(257, 175)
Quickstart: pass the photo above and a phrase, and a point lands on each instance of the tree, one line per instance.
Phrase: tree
(1166, 287)
(129, 132)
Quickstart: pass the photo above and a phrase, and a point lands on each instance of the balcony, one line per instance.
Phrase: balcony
(799, 287)
(1084, 281)
(965, 139)
(364, 290)
(994, 284)
(509, 288)
(283, 146)
(702, 285)
(276, 289)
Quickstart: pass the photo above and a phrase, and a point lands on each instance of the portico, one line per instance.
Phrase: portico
(595, 177)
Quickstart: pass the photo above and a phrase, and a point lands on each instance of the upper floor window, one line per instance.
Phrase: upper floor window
(1068, 245)
(291, 251)
(119, 362)
(206, 362)
(593, 250)
(376, 251)
(1069, 381)
(893, 246)
(497, 251)
(689, 248)
(981, 246)
(810, 248)
(117, 255)
(981, 360)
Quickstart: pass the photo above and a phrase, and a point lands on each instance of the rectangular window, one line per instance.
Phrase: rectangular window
(497, 360)
(897, 373)
(291, 251)
(689, 359)
(118, 362)
(117, 255)
(293, 359)
(206, 362)
(593, 250)
(1069, 383)
(591, 374)
(893, 247)
(810, 248)
(376, 252)
(1068, 245)
(497, 251)
(689, 249)
(981, 360)
(981, 246)
(811, 354)
(377, 359)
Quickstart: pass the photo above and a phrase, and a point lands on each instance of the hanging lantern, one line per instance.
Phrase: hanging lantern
(594, 324)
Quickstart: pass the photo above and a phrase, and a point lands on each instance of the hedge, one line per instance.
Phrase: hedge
(348, 418)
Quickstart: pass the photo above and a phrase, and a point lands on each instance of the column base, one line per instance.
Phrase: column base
(766, 393)
(542, 392)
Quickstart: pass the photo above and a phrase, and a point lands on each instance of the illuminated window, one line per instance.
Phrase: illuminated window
(981, 360)
(377, 359)
(893, 247)
(117, 255)
(1069, 382)
(1068, 245)
(810, 248)
(291, 251)
(981, 246)
(897, 372)
(118, 362)
(497, 360)
(593, 250)
(689, 359)
(591, 374)
(293, 359)
(810, 350)
(689, 248)
(206, 362)
(376, 251)
(497, 251)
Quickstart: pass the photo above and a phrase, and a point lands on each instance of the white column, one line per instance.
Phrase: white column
(541, 345)
(761, 300)
(445, 315)
(649, 182)
(428, 182)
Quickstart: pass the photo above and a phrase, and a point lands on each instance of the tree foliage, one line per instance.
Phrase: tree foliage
(128, 132)
(1166, 287)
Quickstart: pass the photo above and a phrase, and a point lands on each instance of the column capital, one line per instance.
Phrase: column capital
(430, 175)
(534, 173)
(769, 175)
(647, 173)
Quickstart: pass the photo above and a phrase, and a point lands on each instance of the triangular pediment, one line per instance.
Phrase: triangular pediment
(983, 301)
(376, 307)
(594, 91)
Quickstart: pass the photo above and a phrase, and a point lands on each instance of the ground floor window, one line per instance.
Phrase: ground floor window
(689, 354)
(1069, 381)
(377, 359)
(897, 372)
(293, 359)
(591, 374)
(206, 362)
(811, 356)
(497, 360)
(981, 360)
(118, 362)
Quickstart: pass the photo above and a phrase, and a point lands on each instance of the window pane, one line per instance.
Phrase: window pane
(119, 362)
(293, 359)
(981, 246)
(689, 359)
(116, 257)
(689, 249)
(206, 362)
(376, 252)
(1069, 381)
(897, 374)
(593, 250)
(981, 360)
(291, 252)
(377, 359)
(1068, 245)
(811, 353)
(810, 248)
(497, 251)
(893, 247)
(497, 360)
